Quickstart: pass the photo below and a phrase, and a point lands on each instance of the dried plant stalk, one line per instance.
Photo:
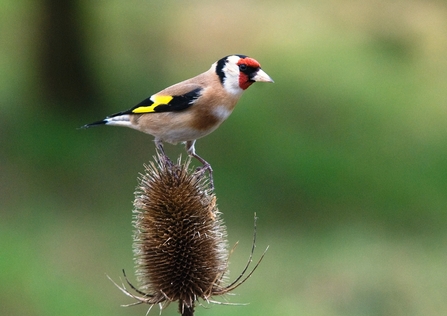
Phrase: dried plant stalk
(180, 241)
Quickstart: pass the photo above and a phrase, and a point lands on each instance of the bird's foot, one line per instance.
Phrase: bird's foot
(167, 161)
(201, 170)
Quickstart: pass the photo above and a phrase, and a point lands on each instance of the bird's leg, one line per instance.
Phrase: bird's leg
(206, 166)
(159, 145)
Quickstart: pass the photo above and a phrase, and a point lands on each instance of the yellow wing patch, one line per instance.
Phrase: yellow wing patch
(157, 100)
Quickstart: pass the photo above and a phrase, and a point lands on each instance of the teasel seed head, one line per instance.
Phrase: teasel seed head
(180, 240)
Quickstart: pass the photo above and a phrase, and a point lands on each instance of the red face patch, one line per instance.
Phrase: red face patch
(244, 81)
(250, 62)
(244, 78)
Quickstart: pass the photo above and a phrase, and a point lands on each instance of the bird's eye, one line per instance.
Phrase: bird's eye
(242, 67)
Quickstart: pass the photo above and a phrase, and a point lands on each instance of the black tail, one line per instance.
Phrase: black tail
(102, 122)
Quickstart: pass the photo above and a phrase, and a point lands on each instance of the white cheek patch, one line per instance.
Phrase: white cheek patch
(231, 88)
(231, 81)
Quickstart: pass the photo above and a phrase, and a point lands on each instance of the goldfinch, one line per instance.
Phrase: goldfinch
(192, 108)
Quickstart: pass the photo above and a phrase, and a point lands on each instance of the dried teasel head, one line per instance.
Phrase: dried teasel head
(180, 241)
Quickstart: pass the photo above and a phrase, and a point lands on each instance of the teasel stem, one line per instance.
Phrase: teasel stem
(185, 310)
(180, 240)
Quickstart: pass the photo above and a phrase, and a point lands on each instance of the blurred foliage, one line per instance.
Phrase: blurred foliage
(343, 158)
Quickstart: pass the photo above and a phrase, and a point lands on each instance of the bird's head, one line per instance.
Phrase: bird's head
(238, 72)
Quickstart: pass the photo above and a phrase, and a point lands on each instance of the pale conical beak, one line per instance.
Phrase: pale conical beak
(262, 76)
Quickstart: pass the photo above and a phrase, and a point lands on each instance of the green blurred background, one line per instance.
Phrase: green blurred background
(343, 158)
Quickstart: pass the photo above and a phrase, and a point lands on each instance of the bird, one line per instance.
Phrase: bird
(193, 108)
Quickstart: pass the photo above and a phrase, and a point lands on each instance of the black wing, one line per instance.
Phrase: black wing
(165, 103)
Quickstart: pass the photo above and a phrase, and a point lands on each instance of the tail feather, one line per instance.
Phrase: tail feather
(118, 119)
(97, 123)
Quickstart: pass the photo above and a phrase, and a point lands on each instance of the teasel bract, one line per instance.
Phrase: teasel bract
(180, 240)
